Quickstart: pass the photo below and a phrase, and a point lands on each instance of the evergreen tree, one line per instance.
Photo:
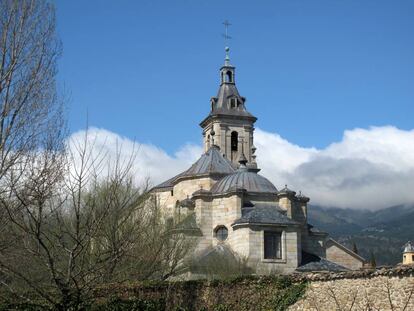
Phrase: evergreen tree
(354, 248)
(373, 261)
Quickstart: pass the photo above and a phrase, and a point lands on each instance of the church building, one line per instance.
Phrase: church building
(227, 206)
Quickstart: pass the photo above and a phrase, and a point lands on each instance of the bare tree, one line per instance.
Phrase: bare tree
(79, 222)
(30, 113)
(69, 221)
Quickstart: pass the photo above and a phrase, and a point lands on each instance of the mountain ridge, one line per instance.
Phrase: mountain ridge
(382, 232)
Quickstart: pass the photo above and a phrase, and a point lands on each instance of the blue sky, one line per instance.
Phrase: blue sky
(310, 69)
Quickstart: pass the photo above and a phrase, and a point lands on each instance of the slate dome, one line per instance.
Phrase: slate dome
(210, 163)
(245, 179)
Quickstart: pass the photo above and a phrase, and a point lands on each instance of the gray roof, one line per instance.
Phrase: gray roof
(311, 262)
(221, 103)
(408, 248)
(245, 179)
(313, 229)
(189, 203)
(287, 191)
(264, 214)
(211, 162)
(189, 226)
(167, 184)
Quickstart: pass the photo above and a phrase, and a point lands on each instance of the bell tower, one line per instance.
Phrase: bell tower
(229, 125)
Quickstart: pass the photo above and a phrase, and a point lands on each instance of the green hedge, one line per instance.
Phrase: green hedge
(258, 293)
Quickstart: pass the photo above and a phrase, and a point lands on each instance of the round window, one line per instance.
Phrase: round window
(222, 233)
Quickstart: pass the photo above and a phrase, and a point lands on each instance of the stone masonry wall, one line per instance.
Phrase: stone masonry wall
(339, 256)
(167, 199)
(290, 251)
(385, 289)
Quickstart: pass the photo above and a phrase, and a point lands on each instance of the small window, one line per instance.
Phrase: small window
(234, 141)
(221, 233)
(233, 103)
(228, 77)
(413, 258)
(272, 245)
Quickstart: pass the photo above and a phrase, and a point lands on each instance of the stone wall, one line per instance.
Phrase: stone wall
(241, 294)
(341, 255)
(168, 199)
(291, 246)
(384, 289)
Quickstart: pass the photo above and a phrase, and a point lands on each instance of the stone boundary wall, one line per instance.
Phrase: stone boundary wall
(382, 289)
(239, 294)
(365, 290)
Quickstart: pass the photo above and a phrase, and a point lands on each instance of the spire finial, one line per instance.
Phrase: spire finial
(242, 157)
(226, 38)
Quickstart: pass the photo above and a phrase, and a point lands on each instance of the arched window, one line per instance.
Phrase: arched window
(228, 77)
(234, 141)
(221, 233)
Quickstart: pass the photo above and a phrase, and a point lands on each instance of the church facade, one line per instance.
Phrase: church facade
(226, 205)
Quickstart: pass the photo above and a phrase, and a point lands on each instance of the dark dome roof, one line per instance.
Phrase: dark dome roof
(210, 163)
(245, 179)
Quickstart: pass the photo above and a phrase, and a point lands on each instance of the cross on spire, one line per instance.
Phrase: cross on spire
(226, 37)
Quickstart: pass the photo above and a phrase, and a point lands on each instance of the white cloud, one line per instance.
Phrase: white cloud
(149, 161)
(368, 168)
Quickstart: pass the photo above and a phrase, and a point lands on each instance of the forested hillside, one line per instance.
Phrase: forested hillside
(382, 232)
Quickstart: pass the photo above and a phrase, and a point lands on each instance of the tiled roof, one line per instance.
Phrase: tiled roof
(287, 191)
(311, 262)
(313, 229)
(221, 104)
(166, 184)
(263, 214)
(189, 226)
(211, 162)
(244, 179)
